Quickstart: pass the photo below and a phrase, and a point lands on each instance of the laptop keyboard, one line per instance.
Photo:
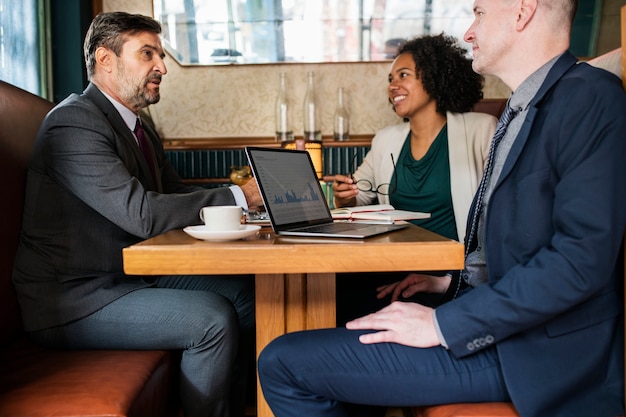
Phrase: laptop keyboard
(331, 227)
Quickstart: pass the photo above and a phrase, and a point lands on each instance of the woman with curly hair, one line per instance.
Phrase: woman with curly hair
(440, 151)
(432, 162)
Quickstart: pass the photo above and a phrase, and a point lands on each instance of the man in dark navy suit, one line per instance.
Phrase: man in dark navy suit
(536, 315)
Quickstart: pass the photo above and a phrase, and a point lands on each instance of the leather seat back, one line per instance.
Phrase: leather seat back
(21, 114)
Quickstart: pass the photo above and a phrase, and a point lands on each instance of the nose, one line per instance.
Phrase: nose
(469, 35)
(160, 66)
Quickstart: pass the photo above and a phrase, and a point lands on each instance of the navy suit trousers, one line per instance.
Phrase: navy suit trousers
(319, 373)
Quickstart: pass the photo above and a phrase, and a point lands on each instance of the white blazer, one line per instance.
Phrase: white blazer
(469, 136)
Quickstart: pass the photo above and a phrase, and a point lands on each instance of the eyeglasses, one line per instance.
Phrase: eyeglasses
(367, 186)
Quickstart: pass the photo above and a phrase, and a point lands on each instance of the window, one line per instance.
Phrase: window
(20, 44)
(264, 31)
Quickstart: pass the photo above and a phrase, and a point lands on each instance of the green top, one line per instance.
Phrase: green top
(424, 185)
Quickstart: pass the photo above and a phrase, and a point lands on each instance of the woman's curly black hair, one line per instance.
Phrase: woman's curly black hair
(445, 72)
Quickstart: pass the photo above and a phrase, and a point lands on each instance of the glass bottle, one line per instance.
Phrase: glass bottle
(341, 125)
(312, 125)
(312, 139)
(284, 132)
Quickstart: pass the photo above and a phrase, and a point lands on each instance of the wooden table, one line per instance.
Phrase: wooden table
(295, 277)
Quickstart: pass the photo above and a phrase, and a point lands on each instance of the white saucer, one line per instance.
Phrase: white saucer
(200, 232)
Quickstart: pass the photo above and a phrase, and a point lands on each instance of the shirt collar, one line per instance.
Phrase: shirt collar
(129, 116)
(521, 98)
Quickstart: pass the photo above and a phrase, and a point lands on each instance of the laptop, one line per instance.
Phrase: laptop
(294, 200)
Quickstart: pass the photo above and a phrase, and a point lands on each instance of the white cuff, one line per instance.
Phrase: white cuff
(240, 198)
(442, 339)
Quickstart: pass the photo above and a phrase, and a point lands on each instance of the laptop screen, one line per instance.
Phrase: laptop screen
(289, 186)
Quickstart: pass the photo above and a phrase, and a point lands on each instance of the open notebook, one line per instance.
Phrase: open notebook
(294, 199)
(384, 213)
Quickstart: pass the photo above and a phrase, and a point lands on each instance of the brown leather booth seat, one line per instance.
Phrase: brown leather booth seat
(38, 382)
(467, 410)
(492, 106)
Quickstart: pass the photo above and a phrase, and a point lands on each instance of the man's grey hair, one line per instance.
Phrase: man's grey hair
(109, 30)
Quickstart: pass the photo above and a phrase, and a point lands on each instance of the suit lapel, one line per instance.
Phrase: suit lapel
(564, 64)
(124, 134)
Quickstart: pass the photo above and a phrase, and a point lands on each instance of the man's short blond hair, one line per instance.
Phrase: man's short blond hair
(563, 11)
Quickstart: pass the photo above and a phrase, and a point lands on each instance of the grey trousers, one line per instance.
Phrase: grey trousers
(209, 318)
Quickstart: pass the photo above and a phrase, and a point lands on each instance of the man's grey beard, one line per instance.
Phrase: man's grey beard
(144, 98)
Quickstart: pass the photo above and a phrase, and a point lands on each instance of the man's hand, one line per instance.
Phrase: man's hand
(251, 192)
(414, 283)
(409, 324)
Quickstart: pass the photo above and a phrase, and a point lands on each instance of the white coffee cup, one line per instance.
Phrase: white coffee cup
(221, 218)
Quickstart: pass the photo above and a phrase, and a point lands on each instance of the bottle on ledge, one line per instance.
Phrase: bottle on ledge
(312, 125)
(312, 139)
(284, 131)
(341, 125)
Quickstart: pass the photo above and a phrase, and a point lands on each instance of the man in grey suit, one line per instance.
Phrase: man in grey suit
(90, 193)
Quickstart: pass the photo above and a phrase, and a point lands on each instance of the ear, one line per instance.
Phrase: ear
(104, 59)
(527, 9)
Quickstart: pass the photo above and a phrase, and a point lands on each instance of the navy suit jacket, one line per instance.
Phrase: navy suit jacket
(89, 194)
(553, 306)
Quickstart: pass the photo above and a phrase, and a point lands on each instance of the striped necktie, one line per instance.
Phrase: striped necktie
(146, 150)
(503, 123)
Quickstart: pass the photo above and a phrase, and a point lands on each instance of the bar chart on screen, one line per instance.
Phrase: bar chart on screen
(292, 196)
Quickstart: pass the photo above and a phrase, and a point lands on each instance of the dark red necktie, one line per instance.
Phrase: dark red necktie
(146, 150)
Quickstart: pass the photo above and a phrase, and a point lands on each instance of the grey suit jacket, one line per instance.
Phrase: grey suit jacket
(89, 194)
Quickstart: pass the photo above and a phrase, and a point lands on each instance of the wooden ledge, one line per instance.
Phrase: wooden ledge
(241, 142)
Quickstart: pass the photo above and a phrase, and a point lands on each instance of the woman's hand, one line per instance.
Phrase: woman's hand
(414, 283)
(344, 191)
